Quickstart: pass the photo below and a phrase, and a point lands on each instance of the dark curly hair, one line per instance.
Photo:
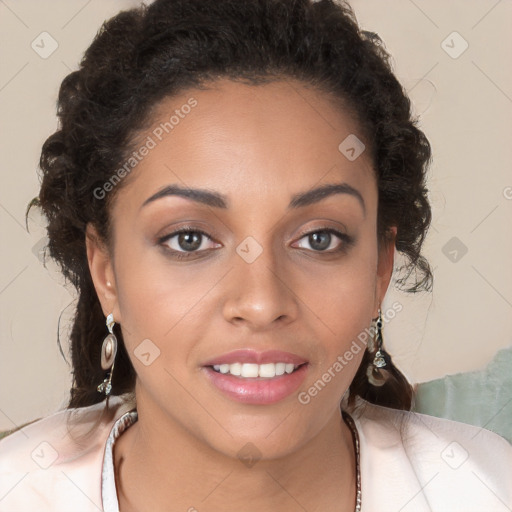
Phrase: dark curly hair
(143, 55)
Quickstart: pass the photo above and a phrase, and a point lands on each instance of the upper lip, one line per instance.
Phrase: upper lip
(256, 357)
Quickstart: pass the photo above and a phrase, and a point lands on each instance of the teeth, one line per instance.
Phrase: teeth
(280, 368)
(267, 370)
(251, 370)
(289, 368)
(235, 369)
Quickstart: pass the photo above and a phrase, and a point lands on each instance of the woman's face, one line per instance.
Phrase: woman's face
(269, 267)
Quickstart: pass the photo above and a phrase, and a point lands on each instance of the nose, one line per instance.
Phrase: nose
(260, 293)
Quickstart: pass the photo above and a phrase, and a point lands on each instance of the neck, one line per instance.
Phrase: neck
(160, 464)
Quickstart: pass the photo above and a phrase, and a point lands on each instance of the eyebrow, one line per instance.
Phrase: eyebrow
(217, 200)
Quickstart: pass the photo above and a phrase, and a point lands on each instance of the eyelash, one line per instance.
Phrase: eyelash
(182, 255)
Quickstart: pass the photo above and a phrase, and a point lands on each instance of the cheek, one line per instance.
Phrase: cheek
(344, 321)
(165, 310)
(343, 295)
(154, 293)
(343, 300)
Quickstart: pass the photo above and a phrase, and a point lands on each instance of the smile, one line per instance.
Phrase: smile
(253, 377)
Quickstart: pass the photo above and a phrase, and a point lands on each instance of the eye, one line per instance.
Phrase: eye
(185, 241)
(324, 240)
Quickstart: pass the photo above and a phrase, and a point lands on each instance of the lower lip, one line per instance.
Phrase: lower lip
(260, 391)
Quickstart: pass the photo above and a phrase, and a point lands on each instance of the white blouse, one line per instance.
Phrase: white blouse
(108, 481)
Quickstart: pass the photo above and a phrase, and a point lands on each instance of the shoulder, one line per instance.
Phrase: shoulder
(423, 431)
(447, 465)
(57, 460)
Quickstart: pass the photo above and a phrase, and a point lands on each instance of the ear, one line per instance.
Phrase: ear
(384, 268)
(102, 273)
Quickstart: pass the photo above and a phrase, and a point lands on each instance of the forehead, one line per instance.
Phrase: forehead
(279, 136)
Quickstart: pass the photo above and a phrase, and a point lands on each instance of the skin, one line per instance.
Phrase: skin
(257, 145)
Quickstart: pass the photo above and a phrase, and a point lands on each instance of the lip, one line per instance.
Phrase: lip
(258, 390)
(255, 357)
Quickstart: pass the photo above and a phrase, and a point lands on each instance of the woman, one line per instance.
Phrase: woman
(225, 191)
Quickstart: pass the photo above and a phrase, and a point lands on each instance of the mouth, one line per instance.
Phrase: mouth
(256, 378)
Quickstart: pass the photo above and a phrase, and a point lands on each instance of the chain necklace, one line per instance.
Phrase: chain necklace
(355, 437)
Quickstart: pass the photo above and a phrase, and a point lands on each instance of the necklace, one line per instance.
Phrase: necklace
(355, 437)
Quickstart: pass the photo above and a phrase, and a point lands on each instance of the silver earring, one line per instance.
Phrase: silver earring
(379, 361)
(108, 355)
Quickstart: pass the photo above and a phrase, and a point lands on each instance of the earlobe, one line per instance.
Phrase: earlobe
(102, 272)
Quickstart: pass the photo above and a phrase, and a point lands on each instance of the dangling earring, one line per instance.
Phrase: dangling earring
(108, 355)
(379, 360)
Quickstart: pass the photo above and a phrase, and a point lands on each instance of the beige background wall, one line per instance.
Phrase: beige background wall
(466, 105)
